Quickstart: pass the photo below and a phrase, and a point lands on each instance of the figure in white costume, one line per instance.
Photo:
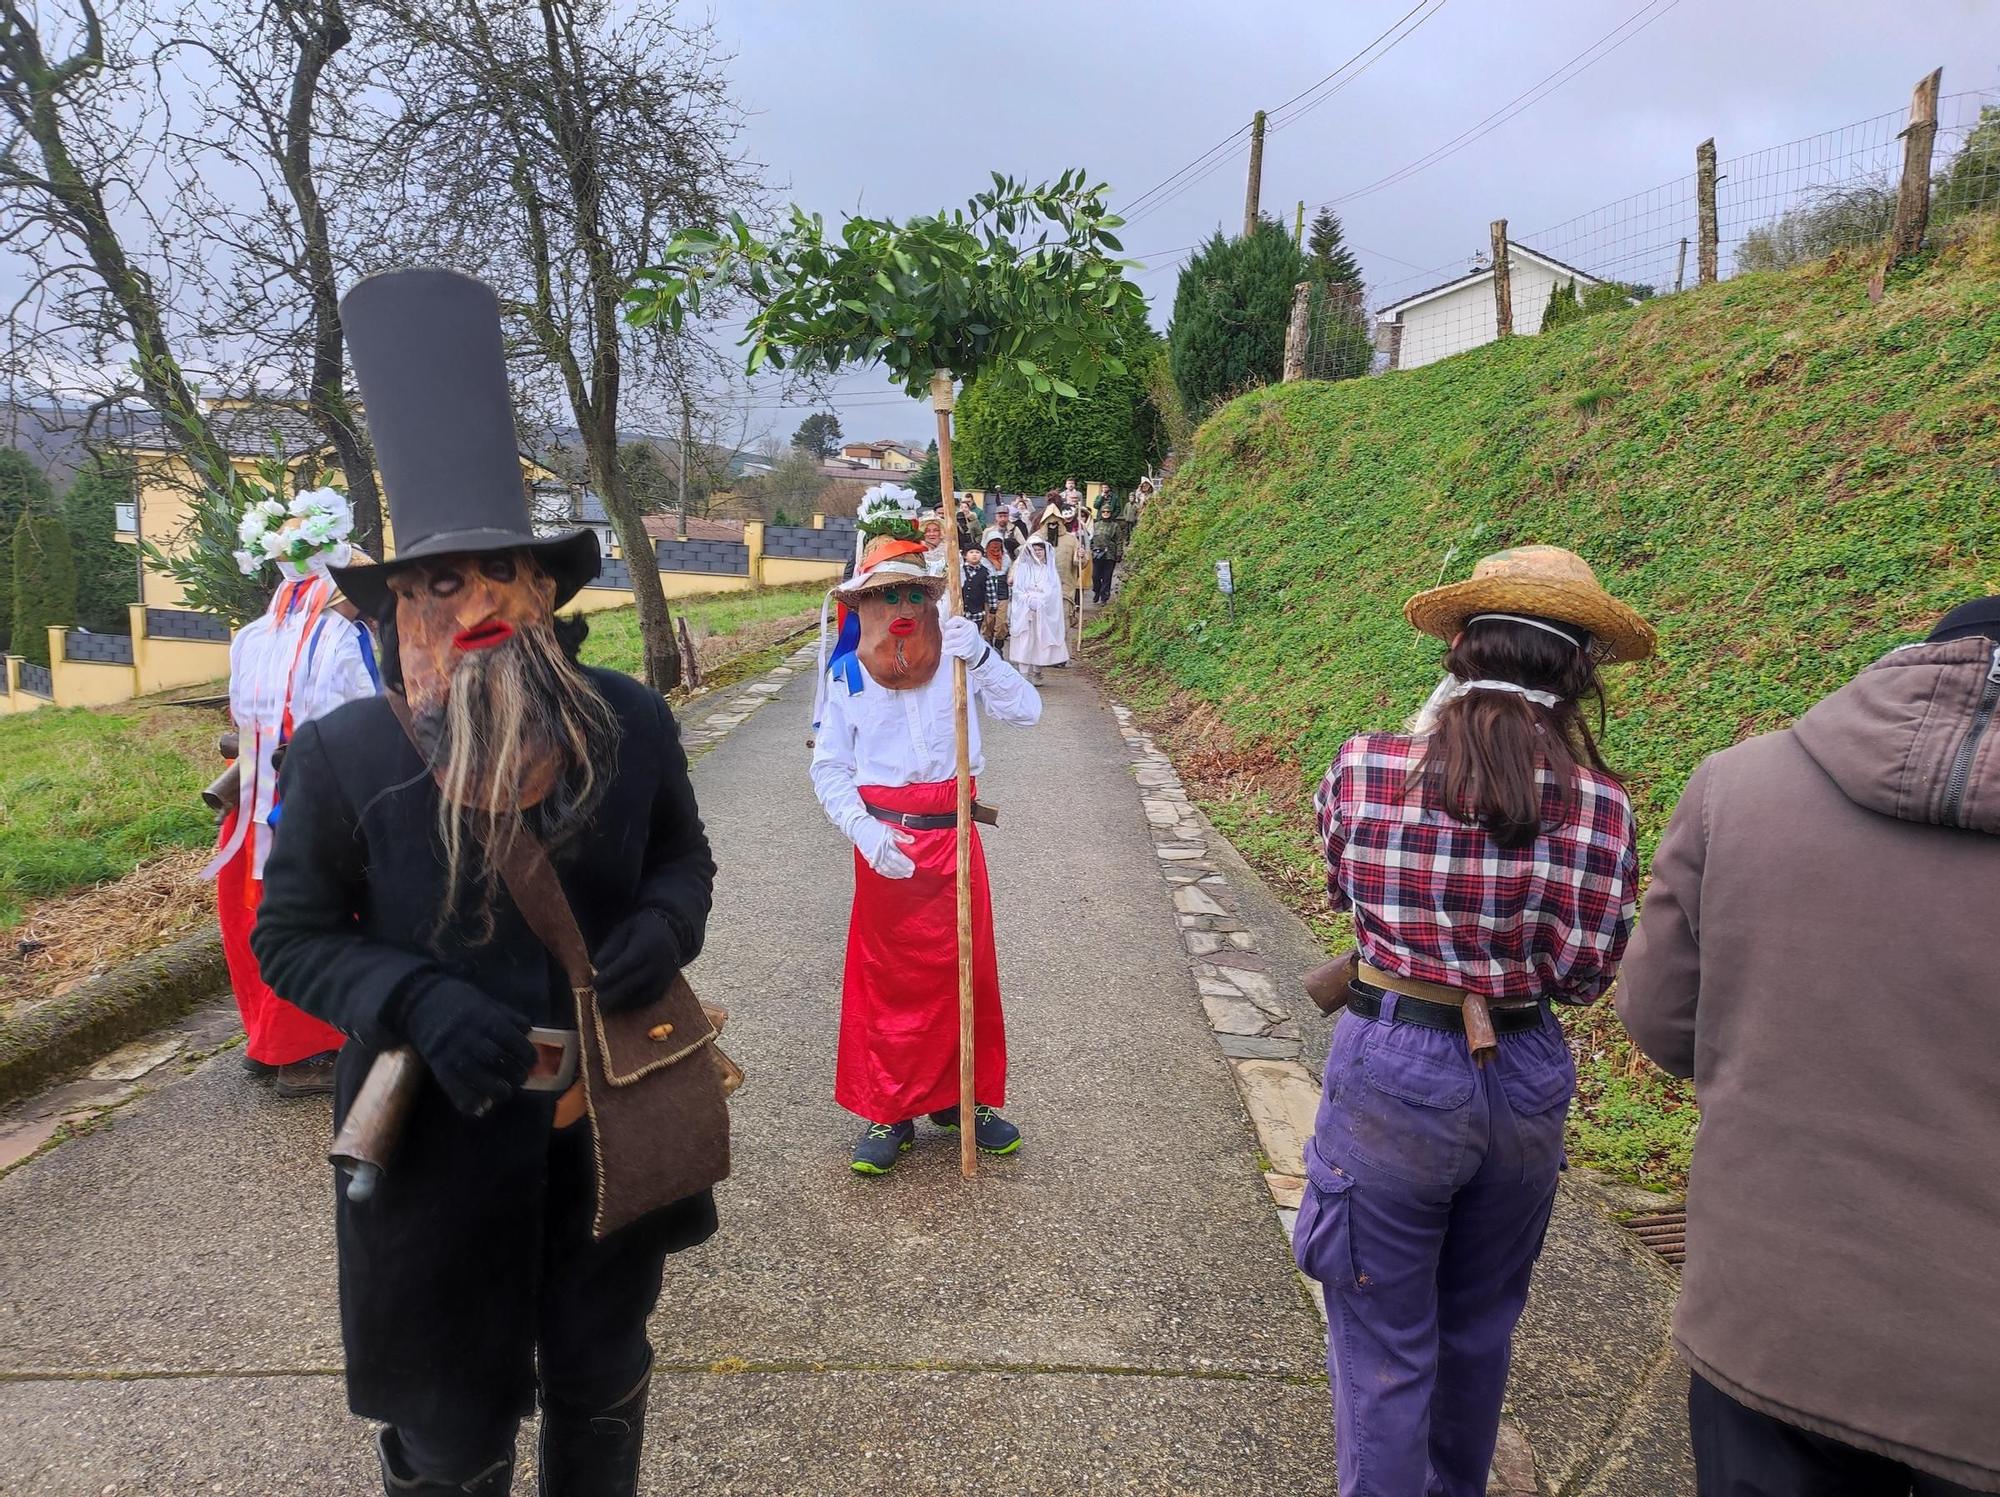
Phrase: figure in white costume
(1036, 608)
(305, 656)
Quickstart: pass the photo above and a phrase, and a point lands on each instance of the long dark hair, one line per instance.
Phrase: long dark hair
(1481, 761)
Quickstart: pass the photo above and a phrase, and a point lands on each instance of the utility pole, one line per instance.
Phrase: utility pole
(686, 425)
(1255, 189)
(1299, 227)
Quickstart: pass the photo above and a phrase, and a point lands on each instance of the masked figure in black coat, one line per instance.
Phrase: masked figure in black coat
(470, 1282)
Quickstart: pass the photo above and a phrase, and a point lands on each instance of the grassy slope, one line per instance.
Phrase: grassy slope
(614, 634)
(88, 795)
(1784, 478)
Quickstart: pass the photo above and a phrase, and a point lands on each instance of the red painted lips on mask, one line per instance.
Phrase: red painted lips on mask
(483, 636)
(902, 626)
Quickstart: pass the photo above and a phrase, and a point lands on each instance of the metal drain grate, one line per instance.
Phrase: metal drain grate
(1665, 1234)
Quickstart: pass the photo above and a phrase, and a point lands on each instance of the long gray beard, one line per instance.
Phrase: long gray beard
(510, 711)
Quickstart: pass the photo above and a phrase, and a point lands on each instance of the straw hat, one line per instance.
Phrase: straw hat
(889, 562)
(1543, 582)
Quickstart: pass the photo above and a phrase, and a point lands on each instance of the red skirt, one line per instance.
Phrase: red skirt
(899, 1001)
(277, 1033)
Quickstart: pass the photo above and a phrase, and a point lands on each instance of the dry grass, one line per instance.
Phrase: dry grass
(63, 940)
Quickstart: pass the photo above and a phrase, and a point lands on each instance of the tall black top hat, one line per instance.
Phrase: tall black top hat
(427, 355)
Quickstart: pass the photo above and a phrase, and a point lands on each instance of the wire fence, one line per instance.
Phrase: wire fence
(1775, 207)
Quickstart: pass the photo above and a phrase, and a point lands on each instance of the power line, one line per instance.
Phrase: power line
(1519, 104)
(1135, 209)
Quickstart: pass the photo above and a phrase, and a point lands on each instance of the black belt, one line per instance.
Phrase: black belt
(912, 822)
(1365, 999)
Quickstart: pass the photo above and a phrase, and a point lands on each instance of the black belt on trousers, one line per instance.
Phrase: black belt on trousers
(910, 821)
(1365, 999)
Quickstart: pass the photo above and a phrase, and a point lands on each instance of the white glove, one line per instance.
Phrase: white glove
(882, 845)
(961, 639)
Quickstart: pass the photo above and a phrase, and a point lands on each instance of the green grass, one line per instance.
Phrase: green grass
(614, 634)
(88, 794)
(1785, 478)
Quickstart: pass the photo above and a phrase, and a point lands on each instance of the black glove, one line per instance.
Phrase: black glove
(477, 1049)
(636, 961)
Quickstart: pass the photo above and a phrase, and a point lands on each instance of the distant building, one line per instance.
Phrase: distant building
(1459, 314)
(897, 457)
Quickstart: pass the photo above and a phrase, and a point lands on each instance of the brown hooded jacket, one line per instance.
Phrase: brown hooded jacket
(1820, 950)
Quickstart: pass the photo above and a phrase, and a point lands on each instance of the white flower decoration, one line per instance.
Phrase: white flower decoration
(268, 533)
(247, 564)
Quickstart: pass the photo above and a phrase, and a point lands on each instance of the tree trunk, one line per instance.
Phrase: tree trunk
(319, 32)
(596, 402)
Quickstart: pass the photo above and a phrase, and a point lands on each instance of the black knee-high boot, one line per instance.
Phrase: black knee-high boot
(398, 1480)
(595, 1454)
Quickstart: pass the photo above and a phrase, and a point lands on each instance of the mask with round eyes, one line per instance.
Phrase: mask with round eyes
(902, 637)
(451, 607)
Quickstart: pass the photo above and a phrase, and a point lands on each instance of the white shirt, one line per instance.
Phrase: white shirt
(883, 737)
(311, 663)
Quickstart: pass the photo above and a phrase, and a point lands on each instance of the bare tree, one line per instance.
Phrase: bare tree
(559, 144)
(305, 190)
(70, 159)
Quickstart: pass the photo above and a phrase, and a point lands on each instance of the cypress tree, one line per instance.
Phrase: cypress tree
(22, 488)
(44, 583)
(1332, 261)
(1231, 310)
(106, 568)
(1564, 306)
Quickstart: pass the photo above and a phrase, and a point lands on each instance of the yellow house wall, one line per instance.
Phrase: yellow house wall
(12, 698)
(89, 683)
(163, 664)
(784, 571)
(897, 463)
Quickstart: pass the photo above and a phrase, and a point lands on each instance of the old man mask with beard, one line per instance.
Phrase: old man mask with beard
(902, 637)
(505, 717)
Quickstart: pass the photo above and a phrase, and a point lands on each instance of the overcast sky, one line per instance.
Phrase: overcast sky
(890, 107)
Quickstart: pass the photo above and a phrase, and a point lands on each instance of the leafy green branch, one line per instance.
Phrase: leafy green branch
(1023, 284)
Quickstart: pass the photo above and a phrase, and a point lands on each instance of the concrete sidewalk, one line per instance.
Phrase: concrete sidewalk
(1114, 1309)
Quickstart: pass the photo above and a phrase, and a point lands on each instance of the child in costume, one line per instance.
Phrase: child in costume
(884, 767)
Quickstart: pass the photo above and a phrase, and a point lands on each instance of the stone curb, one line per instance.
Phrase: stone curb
(1253, 1027)
(716, 722)
(103, 1012)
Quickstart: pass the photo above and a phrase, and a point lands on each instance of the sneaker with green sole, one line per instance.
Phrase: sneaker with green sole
(881, 1145)
(993, 1133)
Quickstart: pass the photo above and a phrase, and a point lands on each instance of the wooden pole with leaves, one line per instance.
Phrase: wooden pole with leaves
(1021, 286)
(942, 401)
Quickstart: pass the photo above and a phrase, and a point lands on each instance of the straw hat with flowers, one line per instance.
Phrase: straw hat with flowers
(1542, 582)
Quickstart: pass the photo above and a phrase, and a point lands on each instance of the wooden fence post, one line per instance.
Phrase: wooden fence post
(1255, 188)
(1503, 281)
(1913, 197)
(1704, 188)
(1298, 334)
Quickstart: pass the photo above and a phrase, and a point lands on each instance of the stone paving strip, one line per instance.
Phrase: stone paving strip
(1253, 1027)
(701, 733)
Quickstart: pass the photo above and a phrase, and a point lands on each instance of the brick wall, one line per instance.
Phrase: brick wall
(36, 678)
(807, 544)
(178, 623)
(108, 649)
(614, 573)
(720, 558)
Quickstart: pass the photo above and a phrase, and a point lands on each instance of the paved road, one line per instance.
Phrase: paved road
(1113, 1310)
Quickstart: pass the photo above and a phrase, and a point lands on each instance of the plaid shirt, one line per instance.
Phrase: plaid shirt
(1440, 901)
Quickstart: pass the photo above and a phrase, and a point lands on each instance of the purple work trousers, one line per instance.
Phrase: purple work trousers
(1430, 1183)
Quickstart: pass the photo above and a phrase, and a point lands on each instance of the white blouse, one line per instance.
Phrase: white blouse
(883, 737)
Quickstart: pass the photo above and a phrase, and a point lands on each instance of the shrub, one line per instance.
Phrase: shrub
(44, 583)
(1231, 309)
(1010, 439)
(1838, 218)
(1564, 306)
